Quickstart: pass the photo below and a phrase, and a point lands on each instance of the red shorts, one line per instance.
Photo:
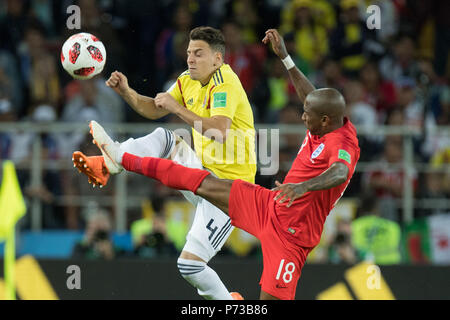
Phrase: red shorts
(252, 208)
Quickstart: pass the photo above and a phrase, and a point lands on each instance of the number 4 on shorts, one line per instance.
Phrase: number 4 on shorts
(210, 228)
(288, 271)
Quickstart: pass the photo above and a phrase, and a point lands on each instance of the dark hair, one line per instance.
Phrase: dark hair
(211, 36)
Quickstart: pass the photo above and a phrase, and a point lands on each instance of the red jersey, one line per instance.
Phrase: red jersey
(304, 220)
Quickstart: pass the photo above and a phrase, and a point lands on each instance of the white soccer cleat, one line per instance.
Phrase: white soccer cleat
(110, 149)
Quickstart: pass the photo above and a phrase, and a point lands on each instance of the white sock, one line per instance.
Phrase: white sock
(158, 144)
(205, 279)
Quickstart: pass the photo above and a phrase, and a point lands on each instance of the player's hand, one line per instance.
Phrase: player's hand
(118, 82)
(165, 101)
(277, 42)
(289, 191)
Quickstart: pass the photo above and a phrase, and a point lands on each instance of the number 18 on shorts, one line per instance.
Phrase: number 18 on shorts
(285, 271)
(281, 269)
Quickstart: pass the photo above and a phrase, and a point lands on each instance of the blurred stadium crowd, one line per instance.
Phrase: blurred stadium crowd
(397, 75)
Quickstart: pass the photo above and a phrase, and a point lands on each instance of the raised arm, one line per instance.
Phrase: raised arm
(143, 105)
(214, 127)
(302, 85)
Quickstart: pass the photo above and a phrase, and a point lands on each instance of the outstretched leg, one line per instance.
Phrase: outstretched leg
(162, 143)
(173, 175)
(192, 268)
(217, 191)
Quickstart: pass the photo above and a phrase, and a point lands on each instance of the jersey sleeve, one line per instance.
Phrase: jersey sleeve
(224, 101)
(176, 92)
(342, 151)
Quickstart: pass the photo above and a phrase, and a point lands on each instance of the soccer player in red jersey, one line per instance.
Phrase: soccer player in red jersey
(288, 220)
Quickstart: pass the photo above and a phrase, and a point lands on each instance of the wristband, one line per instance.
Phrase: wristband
(288, 63)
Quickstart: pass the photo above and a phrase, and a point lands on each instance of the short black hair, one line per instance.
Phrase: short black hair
(213, 37)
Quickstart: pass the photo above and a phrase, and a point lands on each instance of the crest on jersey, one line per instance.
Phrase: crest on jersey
(318, 151)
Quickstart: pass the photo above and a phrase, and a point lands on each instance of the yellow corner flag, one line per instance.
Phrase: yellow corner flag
(12, 205)
(12, 208)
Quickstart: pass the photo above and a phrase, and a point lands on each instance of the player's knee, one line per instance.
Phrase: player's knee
(166, 139)
(163, 134)
(159, 131)
(190, 269)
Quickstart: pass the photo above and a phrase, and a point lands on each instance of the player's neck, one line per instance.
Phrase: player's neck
(207, 79)
(332, 127)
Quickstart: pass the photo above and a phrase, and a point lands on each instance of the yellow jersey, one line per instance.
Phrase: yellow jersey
(225, 96)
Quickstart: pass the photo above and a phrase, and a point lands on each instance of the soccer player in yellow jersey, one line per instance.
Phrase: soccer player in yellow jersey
(210, 98)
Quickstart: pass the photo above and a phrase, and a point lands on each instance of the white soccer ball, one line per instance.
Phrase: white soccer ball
(83, 56)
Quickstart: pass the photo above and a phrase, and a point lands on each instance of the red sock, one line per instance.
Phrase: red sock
(168, 172)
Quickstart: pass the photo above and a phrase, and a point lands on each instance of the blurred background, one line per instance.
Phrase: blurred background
(396, 210)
